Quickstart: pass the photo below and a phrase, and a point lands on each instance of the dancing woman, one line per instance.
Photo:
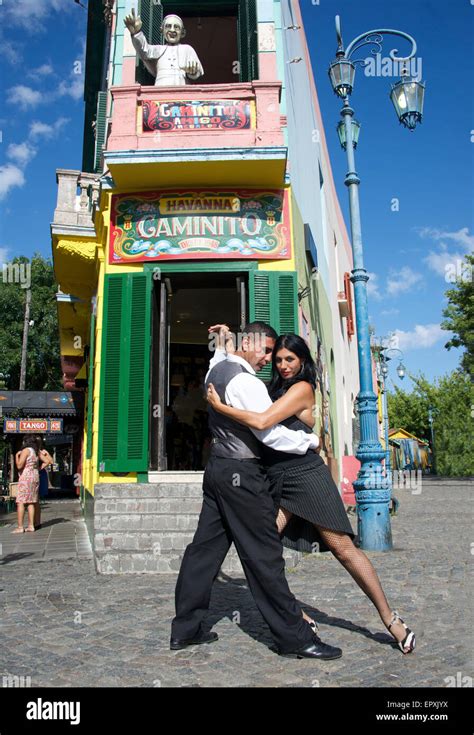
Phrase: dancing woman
(311, 513)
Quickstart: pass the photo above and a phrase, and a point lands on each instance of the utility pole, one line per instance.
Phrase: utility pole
(26, 326)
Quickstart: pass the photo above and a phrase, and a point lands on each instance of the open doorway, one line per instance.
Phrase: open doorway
(185, 304)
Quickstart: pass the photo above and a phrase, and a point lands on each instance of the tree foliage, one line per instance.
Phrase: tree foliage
(451, 399)
(43, 363)
(459, 315)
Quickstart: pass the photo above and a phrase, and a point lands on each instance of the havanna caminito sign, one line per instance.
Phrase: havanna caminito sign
(196, 115)
(200, 223)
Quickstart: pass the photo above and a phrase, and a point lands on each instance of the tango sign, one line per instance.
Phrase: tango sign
(193, 115)
(200, 224)
(25, 426)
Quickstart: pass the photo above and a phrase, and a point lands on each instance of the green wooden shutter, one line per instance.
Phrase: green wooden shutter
(125, 373)
(100, 129)
(110, 397)
(273, 299)
(252, 39)
(156, 22)
(151, 13)
(90, 388)
(248, 40)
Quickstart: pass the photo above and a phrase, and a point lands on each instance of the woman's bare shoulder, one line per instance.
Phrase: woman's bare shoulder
(302, 387)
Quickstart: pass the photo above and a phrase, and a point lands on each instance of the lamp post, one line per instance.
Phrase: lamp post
(371, 487)
(382, 372)
(430, 420)
(384, 358)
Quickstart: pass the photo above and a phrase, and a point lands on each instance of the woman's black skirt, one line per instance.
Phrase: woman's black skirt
(307, 490)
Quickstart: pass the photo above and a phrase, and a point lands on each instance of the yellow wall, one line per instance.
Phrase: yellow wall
(283, 265)
(90, 474)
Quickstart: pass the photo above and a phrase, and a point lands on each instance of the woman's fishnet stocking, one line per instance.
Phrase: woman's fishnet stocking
(357, 564)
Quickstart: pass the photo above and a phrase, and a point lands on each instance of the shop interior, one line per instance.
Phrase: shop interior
(195, 301)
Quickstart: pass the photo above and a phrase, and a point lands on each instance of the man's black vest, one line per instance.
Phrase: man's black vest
(230, 439)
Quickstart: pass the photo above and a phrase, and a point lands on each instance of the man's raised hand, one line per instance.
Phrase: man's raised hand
(225, 339)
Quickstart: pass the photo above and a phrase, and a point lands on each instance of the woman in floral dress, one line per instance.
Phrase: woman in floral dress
(27, 462)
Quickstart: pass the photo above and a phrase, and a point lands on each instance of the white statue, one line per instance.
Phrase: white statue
(173, 64)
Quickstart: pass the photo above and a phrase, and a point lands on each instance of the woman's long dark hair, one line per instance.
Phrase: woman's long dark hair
(292, 342)
(30, 441)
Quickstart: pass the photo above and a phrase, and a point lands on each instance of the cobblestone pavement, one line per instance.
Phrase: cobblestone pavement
(63, 625)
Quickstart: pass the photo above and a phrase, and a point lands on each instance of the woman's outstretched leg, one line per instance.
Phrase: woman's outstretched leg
(362, 571)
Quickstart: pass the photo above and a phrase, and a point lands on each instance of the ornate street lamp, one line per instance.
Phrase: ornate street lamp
(372, 487)
(408, 96)
(341, 131)
(401, 370)
(341, 73)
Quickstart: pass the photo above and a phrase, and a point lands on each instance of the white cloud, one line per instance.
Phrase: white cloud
(402, 280)
(10, 176)
(25, 97)
(4, 255)
(72, 87)
(460, 237)
(32, 14)
(422, 337)
(10, 50)
(390, 312)
(21, 153)
(439, 261)
(443, 260)
(41, 71)
(39, 129)
(373, 287)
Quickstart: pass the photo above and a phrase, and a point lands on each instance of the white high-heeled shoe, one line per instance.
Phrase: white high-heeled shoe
(409, 641)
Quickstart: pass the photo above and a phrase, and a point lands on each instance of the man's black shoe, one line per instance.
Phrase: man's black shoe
(316, 649)
(177, 643)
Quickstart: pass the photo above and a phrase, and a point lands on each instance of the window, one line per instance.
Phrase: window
(223, 34)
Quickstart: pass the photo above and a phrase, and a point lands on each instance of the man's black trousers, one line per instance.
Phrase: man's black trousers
(237, 507)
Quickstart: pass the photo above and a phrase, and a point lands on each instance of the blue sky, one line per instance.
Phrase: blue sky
(429, 171)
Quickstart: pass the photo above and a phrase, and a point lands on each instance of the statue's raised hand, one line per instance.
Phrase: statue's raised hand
(133, 22)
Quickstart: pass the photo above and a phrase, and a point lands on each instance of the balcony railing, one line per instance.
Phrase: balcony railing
(78, 195)
(238, 115)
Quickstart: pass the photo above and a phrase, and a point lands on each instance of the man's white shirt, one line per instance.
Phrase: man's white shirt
(248, 392)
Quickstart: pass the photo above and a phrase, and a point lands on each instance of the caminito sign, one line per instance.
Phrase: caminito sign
(194, 115)
(200, 224)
